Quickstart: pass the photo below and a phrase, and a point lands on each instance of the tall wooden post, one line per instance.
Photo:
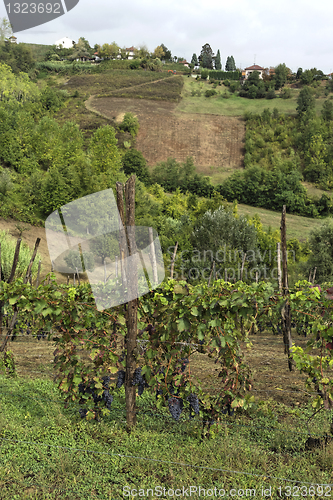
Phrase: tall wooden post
(132, 305)
(285, 311)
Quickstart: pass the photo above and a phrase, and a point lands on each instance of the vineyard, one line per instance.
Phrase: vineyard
(182, 330)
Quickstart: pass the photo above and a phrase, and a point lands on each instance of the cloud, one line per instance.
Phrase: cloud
(298, 33)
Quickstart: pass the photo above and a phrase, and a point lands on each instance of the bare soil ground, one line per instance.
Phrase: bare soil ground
(29, 237)
(271, 377)
(212, 140)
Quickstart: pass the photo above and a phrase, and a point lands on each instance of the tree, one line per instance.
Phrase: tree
(167, 53)
(280, 77)
(217, 61)
(158, 52)
(142, 52)
(299, 73)
(18, 56)
(134, 163)
(103, 151)
(206, 57)
(305, 103)
(327, 111)
(306, 77)
(5, 29)
(321, 257)
(110, 51)
(80, 50)
(230, 64)
(83, 43)
(194, 60)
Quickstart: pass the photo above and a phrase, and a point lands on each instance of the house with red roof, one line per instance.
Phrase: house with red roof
(252, 68)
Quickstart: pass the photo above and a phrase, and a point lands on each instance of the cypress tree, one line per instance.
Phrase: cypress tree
(218, 64)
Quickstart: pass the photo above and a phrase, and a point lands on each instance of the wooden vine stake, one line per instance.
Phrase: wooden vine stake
(25, 281)
(132, 283)
(285, 311)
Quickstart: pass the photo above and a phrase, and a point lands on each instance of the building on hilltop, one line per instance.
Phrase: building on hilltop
(65, 42)
(130, 52)
(252, 68)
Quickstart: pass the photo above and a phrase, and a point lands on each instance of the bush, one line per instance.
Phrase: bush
(210, 92)
(204, 74)
(285, 93)
(134, 163)
(130, 124)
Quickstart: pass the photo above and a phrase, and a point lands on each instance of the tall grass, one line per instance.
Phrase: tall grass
(8, 245)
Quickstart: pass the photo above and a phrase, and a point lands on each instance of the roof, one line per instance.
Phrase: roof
(12, 37)
(183, 62)
(131, 49)
(255, 67)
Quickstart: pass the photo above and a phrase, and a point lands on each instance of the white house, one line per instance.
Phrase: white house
(130, 52)
(255, 67)
(66, 42)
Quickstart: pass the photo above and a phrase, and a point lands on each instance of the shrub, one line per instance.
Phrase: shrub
(285, 93)
(210, 92)
(134, 163)
(5, 182)
(204, 74)
(130, 124)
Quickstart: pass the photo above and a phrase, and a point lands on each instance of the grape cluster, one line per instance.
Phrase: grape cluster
(184, 364)
(139, 380)
(108, 398)
(175, 407)
(121, 378)
(194, 403)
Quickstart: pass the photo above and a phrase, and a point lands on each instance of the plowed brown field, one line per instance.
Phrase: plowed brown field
(212, 140)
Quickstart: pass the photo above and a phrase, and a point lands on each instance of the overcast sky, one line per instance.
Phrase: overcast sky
(296, 32)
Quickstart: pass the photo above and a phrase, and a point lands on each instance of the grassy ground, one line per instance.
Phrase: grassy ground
(297, 227)
(48, 452)
(234, 105)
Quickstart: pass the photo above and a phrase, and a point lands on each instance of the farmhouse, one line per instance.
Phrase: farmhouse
(130, 52)
(12, 39)
(65, 42)
(185, 63)
(255, 67)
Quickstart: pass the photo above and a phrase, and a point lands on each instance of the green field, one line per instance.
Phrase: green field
(234, 105)
(297, 227)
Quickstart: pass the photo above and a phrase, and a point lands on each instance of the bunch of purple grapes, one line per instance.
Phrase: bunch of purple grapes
(121, 378)
(175, 407)
(194, 404)
(139, 379)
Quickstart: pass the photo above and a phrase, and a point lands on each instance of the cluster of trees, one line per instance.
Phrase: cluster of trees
(208, 60)
(302, 143)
